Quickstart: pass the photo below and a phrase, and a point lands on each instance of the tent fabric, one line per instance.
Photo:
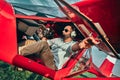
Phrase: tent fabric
(41, 7)
(105, 63)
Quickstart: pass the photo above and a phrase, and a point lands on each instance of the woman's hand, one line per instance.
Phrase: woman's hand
(88, 42)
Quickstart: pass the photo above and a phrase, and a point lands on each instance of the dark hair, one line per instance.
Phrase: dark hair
(59, 26)
(71, 24)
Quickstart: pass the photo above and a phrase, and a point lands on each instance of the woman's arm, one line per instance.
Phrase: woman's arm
(84, 44)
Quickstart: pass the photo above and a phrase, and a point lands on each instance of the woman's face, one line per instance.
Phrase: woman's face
(67, 31)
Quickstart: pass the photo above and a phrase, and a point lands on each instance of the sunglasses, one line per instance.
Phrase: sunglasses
(66, 30)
